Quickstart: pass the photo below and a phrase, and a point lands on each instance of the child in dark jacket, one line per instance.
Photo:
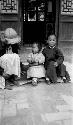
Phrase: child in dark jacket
(54, 62)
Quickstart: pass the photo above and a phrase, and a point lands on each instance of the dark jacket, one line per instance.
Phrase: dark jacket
(53, 54)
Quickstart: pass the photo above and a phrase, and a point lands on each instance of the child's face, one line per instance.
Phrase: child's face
(35, 48)
(52, 41)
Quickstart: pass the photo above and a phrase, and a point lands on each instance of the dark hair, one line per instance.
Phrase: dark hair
(52, 35)
(8, 46)
(15, 47)
(39, 45)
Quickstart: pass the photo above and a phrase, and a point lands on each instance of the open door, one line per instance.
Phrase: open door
(39, 20)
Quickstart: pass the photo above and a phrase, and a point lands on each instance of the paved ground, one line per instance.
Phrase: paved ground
(40, 105)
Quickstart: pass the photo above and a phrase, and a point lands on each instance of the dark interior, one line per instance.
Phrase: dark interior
(38, 30)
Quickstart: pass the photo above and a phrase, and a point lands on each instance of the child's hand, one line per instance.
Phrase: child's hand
(29, 60)
(36, 60)
(55, 64)
(32, 60)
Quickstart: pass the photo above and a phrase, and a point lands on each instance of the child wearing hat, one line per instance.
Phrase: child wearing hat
(9, 60)
(36, 60)
(14, 39)
(54, 62)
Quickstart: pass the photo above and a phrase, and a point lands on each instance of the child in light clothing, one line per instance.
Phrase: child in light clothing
(36, 60)
(10, 62)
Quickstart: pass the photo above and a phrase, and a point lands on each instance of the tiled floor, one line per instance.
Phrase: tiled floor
(40, 105)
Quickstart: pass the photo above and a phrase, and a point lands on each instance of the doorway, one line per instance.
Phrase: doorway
(38, 20)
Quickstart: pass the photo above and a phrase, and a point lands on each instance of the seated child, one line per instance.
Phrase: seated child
(10, 62)
(54, 62)
(12, 37)
(36, 59)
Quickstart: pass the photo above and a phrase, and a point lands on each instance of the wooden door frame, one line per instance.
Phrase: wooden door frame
(57, 19)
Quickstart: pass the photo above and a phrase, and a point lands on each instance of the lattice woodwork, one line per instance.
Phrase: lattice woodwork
(9, 6)
(67, 7)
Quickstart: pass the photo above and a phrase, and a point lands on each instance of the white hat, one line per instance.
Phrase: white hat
(11, 36)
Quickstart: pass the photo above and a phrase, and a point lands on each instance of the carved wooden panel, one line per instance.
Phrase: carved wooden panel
(9, 6)
(67, 7)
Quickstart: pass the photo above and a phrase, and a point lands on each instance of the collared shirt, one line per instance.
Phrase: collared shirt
(52, 47)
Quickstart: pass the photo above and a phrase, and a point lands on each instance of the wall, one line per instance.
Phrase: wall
(11, 20)
(65, 39)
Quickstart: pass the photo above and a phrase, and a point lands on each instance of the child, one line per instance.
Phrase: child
(54, 62)
(36, 59)
(14, 39)
(10, 62)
